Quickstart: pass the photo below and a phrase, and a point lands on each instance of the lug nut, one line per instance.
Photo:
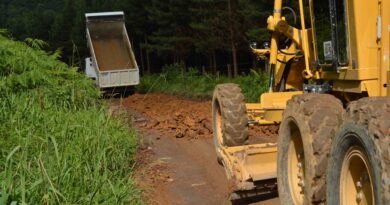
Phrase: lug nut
(359, 184)
(359, 197)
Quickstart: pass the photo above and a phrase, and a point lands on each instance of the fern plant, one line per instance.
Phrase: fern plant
(59, 144)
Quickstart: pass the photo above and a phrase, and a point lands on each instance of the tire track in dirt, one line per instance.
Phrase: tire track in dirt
(176, 160)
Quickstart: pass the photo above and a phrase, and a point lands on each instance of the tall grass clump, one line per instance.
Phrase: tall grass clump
(58, 142)
(174, 79)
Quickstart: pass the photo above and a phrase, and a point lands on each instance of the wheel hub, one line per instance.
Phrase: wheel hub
(296, 172)
(301, 182)
(356, 182)
(218, 122)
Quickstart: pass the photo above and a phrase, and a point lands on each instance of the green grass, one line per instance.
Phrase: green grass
(194, 85)
(58, 142)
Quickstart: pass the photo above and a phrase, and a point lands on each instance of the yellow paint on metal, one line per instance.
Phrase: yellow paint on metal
(249, 164)
(276, 100)
(368, 50)
(253, 106)
(270, 112)
(283, 58)
(388, 83)
(275, 36)
(356, 183)
(295, 77)
(386, 42)
(260, 163)
(305, 42)
(354, 86)
(274, 116)
(351, 74)
(371, 87)
(296, 166)
(263, 117)
(367, 72)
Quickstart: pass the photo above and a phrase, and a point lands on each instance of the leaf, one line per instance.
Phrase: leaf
(3, 198)
(3, 31)
(12, 153)
(55, 145)
(36, 43)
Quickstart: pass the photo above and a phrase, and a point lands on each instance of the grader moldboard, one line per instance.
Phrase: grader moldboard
(329, 93)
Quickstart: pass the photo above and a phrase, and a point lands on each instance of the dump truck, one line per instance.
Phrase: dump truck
(329, 94)
(112, 63)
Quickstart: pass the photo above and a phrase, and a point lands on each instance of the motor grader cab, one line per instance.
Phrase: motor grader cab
(328, 92)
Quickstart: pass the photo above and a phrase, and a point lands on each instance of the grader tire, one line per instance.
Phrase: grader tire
(230, 119)
(308, 126)
(359, 162)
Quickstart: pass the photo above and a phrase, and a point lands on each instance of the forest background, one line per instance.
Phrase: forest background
(209, 35)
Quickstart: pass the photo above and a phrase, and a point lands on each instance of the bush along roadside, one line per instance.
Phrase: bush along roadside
(58, 142)
(192, 84)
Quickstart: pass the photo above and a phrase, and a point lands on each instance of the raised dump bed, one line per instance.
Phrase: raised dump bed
(112, 62)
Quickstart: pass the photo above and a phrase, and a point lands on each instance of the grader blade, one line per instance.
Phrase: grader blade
(251, 169)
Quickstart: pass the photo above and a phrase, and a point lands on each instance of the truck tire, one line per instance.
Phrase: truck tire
(308, 126)
(359, 162)
(230, 120)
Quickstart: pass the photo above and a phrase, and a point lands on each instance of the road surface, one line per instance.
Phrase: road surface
(176, 160)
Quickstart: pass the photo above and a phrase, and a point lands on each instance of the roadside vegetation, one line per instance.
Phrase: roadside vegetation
(176, 80)
(59, 144)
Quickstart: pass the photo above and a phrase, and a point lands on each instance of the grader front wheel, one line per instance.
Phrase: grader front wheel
(309, 123)
(359, 162)
(230, 119)
(296, 167)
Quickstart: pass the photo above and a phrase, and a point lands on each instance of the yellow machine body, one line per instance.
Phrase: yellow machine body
(365, 73)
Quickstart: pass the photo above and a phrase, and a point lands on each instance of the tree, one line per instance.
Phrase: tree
(205, 24)
(140, 26)
(218, 26)
(160, 31)
(172, 37)
(255, 15)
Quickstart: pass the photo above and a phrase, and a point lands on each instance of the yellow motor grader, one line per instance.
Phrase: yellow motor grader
(329, 93)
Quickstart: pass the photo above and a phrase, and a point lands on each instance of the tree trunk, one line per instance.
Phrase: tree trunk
(211, 63)
(141, 50)
(232, 40)
(229, 68)
(147, 56)
(214, 62)
(234, 56)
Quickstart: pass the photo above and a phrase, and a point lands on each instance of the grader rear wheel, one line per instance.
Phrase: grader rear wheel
(358, 170)
(309, 123)
(356, 179)
(230, 119)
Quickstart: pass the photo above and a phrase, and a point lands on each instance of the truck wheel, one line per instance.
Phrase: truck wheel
(230, 119)
(359, 162)
(308, 126)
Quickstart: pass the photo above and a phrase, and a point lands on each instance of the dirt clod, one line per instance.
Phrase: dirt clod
(182, 118)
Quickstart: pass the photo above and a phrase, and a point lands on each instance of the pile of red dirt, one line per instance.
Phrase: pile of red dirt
(171, 115)
(182, 118)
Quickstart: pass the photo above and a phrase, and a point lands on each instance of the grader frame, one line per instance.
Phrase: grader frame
(366, 72)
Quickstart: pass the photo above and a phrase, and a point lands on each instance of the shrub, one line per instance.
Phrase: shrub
(59, 143)
(175, 80)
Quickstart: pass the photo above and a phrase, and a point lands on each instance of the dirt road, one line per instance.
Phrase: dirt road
(177, 162)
